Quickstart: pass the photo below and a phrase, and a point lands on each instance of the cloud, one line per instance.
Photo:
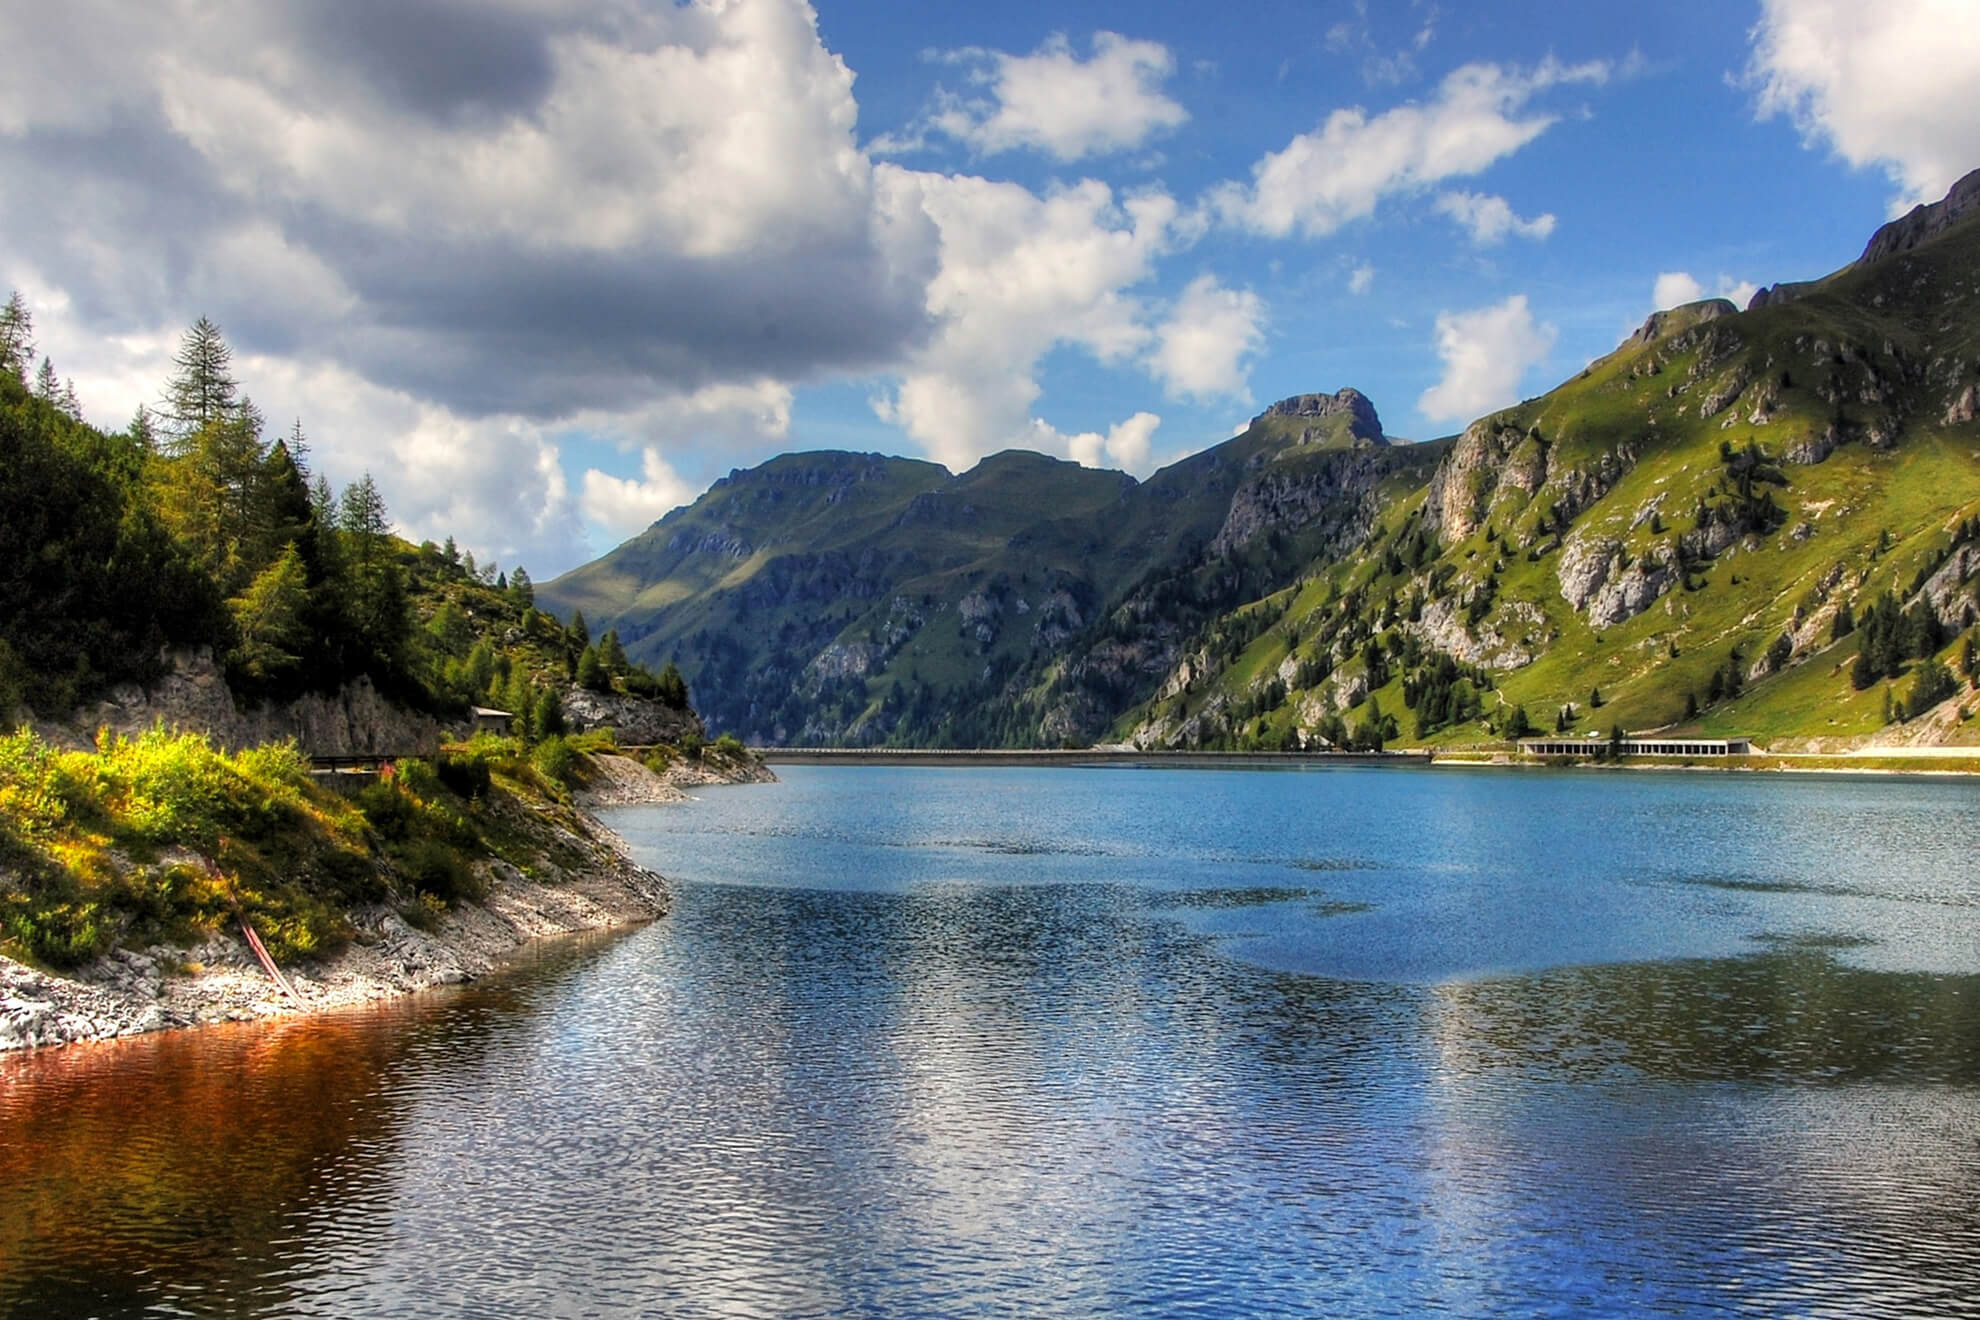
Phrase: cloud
(1491, 218)
(1054, 102)
(1019, 274)
(448, 234)
(1338, 173)
(1361, 279)
(1200, 349)
(624, 506)
(1894, 84)
(1675, 288)
(1127, 444)
(1486, 353)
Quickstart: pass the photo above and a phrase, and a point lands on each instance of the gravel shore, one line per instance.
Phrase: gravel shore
(129, 992)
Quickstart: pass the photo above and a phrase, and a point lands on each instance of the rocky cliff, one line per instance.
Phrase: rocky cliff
(193, 695)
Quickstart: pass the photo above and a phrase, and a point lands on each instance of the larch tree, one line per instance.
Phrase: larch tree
(16, 337)
(202, 389)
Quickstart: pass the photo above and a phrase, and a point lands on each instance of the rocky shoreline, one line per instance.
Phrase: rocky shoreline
(131, 992)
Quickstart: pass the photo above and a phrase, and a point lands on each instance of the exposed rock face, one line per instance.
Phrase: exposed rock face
(1946, 590)
(1442, 628)
(1594, 578)
(1925, 222)
(1462, 486)
(1658, 324)
(1363, 424)
(357, 721)
(638, 722)
(1291, 501)
(1963, 407)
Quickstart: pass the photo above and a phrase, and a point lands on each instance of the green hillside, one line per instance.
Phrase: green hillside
(1703, 530)
(829, 597)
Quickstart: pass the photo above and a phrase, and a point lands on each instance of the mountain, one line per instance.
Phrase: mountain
(826, 597)
(1758, 521)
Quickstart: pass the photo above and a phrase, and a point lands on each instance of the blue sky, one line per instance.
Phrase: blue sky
(548, 270)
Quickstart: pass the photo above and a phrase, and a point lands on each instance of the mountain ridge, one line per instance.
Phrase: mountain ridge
(1818, 440)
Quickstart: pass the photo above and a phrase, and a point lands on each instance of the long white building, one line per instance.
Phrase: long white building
(1636, 745)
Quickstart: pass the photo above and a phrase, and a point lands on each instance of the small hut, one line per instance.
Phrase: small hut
(489, 720)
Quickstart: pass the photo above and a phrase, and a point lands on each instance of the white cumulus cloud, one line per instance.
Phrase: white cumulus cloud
(1127, 446)
(1361, 279)
(1201, 349)
(1486, 353)
(1675, 288)
(1490, 219)
(1019, 275)
(1055, 102)
(624, 505)
(1338, 172)
(1893, 84)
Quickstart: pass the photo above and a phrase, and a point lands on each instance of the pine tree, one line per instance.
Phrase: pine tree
(591, 672)
(287, 514)
(16, 337)
(322, 503)
(579, 632)
(375, 590)
(143, 434)
(521, 589)
(549, 718)
(269, 615)
(610, 654)
(69, 402)
(202, 389)
(46, 387)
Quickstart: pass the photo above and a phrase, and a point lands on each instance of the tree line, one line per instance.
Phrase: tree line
(192, 527)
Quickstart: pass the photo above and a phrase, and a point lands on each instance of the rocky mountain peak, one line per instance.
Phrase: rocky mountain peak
(1659, 324)
(1363, 423)
(1925, 222)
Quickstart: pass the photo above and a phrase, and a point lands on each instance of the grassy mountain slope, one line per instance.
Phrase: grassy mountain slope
(1704, 530)
(829, 597)
(1692, 509)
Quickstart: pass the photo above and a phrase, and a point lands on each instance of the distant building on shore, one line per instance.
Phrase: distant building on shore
(489, 720)
(1634, 744)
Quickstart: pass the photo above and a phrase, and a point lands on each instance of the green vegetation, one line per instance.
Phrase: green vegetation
(166, 838)
(1758, 523)
(192, 528)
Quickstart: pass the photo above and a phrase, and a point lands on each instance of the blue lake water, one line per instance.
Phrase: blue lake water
(1073, 1042)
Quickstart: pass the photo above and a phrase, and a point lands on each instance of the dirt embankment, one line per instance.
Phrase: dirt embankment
(593, 884)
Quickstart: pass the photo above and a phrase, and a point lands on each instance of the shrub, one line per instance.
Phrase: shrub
(731, 746)
(434, 868)
(387, 810)
(465, 776)
(555, 760)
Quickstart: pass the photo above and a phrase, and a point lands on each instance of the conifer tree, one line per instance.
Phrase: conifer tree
(610, 654)
(142, 432)
(521, 590)
(46, 387)
(270, 618)
(549, 719)
(16, 337)
(202, 389)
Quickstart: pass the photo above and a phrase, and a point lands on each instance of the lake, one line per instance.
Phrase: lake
(930, 1042)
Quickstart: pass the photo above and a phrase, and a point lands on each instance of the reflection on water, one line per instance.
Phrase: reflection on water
(927, 1074)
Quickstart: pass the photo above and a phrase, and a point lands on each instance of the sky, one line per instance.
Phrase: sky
(547, 268)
